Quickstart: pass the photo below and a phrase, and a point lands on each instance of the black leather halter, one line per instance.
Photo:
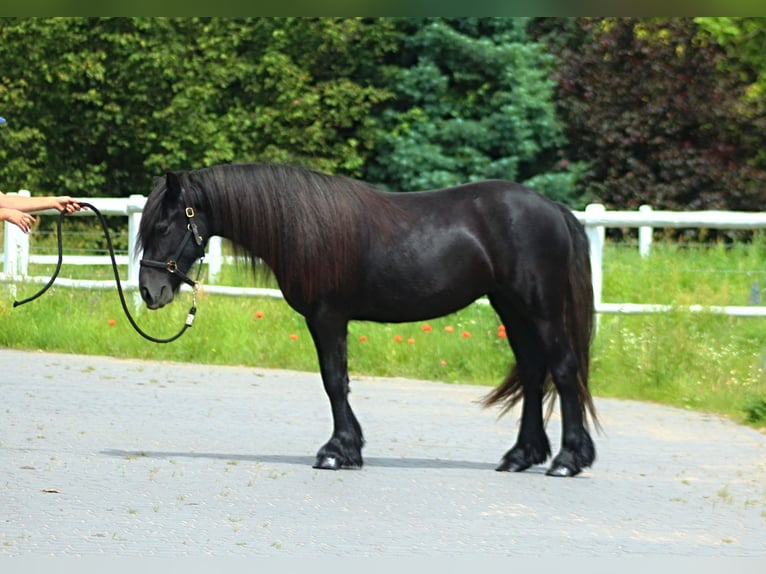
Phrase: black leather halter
(171, 265)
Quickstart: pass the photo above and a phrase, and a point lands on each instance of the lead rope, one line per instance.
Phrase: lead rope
(189, 317)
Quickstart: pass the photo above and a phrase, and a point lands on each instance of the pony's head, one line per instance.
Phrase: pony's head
(173, 235)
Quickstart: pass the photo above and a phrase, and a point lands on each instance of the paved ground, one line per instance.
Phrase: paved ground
(133, 458)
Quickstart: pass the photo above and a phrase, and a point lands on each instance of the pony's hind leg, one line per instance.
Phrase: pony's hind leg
(577, 449)
(344, 449)
(525, 381)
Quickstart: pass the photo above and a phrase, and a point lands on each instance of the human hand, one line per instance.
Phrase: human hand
(23, 221)
(66, 203)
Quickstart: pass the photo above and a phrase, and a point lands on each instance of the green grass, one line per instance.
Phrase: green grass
(699, 361)
(684, 275)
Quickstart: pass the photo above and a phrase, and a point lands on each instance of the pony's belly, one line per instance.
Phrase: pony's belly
(416, 307)
(417, 287)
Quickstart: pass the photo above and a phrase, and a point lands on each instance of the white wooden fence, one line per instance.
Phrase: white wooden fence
(595, 218)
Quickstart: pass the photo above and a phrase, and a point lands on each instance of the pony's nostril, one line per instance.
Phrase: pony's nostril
(146, 296)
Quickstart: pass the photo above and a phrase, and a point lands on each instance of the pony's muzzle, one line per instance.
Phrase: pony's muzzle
(156, 300)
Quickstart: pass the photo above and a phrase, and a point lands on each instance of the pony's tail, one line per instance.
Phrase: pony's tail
(511, 391)
(580, 313)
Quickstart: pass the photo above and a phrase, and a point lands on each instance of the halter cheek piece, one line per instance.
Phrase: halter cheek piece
(171, 265)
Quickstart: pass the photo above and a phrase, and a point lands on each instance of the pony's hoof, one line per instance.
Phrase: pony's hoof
(511, 466)
(328, 463)
(562, 471)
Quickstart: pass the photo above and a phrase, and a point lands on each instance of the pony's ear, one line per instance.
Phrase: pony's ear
(173, 185)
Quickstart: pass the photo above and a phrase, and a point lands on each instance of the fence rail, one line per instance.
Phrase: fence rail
(595, 218)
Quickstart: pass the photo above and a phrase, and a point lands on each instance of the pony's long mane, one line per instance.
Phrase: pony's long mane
(311, 229)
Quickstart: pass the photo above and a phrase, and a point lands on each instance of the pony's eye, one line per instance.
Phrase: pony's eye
(162, 229)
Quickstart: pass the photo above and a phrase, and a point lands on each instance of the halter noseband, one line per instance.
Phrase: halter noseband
(171, 265)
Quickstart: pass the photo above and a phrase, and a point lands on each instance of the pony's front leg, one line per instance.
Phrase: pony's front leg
(344, 449)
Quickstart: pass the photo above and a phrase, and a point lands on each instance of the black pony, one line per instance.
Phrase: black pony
(342, 250)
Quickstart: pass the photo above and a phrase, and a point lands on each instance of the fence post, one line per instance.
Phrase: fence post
(10, 253)
(16, 251)
(596, 234)
(645, 234)
(214, 259)
(134, 208)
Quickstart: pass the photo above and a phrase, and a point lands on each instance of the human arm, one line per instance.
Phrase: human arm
(29, 204)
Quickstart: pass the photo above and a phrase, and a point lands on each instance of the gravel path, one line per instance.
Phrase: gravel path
(100, 456)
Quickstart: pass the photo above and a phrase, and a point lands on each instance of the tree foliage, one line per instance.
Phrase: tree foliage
(98, 106)
(659, 118)
(663, 111)
(744, 40)
(473, 100)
